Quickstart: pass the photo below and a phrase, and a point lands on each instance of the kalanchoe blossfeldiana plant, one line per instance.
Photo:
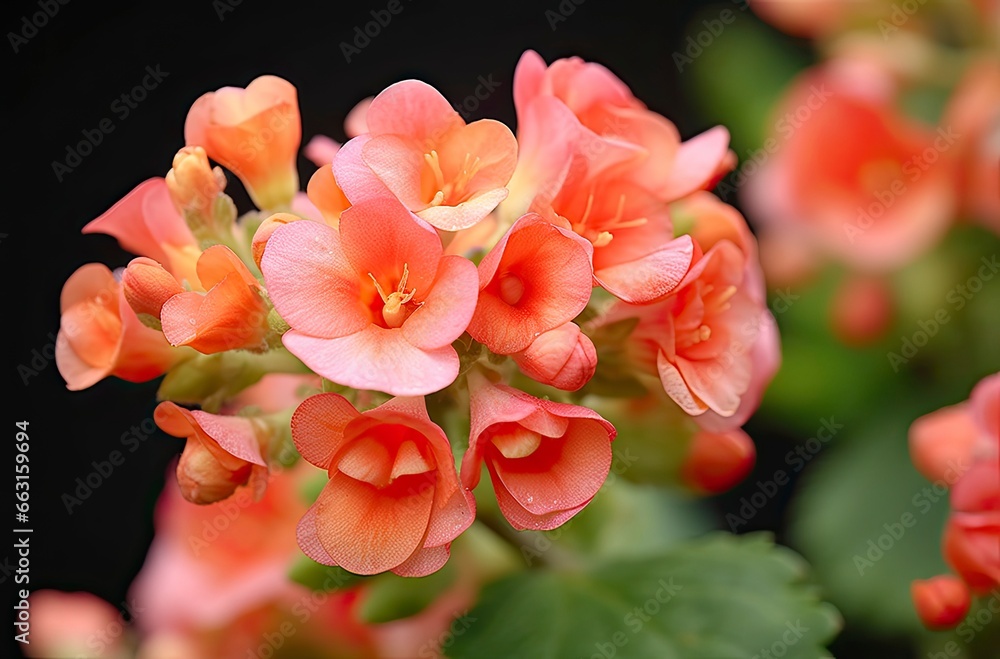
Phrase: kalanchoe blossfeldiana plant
(467, 298)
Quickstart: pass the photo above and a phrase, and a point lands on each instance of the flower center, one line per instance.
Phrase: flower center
(511, 289)
(598, 231)
(394, 305)
(454, 191)
(517, 442)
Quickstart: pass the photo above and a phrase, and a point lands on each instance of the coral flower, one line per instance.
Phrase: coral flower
(874, 201)
(535, 279)
(375, 305)
(231, 315)
(393, 501)
(221, 453)
(449, 173)
(699, 339)
(711, 221)
(100, 335)
(147, 223)
(326, 195)
(547, 460)
(255, 133)
(210, 564)
(618, 132)
(974, 110)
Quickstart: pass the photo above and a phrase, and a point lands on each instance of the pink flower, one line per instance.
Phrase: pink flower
(253, 132)
(326, 195)
(393, 501)
(418, 148)
(211, 564)
(375, 305)
(635, 255)
(874, 201)
(147, 223)
(535, 279)
(233, 314)
(700, 339)
(222, 452)
(564, 358)
(547, 460)
(616, 131)
(974, 112)
(100, 335)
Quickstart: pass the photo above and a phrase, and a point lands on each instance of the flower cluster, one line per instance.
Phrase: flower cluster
(958, 447)
(437, 274)
(898, 171)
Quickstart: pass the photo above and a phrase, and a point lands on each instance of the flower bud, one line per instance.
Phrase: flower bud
(941, 443)
(221, 453)
(861, 310)
(192, 182)
(203, 479)
(564, 358)
(147, 287)
(264, 231)
(717, 461)
(941, 602)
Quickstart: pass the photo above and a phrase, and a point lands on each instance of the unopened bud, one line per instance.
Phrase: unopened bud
(941, 602)
(564, 358)
(716, 461)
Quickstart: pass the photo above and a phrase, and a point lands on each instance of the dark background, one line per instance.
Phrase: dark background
(65, 79)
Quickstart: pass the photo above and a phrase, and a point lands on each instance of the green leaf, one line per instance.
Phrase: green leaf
(321, 577)
(719, 597)
(390, 597)
(855, 500)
